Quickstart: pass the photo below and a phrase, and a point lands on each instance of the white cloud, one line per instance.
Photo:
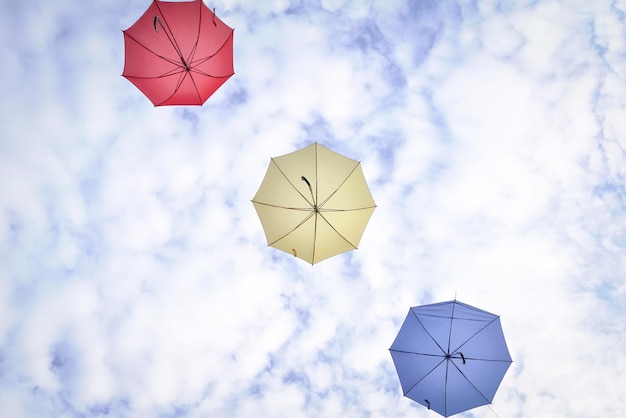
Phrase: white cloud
(136, 279)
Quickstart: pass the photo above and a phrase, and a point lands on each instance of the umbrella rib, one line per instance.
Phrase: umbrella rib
(188, 64)
(424, 377)
(183, 74)
(451, 321)
(333, 228)
(441, 316)
(294, 228)
(167, 74)
(191, 54)
(195, 86)
(203, 59)
(292, 185)
(470, 382)
(315, 205)
(445, 391)
(202, 73)
(338, 187)
(314, 240)
(171, 39)
(487, 359)
(282, 207)
(419, 354)
(346, 210)
(287, 208)
(429, 334)
(317, 196)
(477, 332)
(422, 354)
(195, 46)
(171, 61)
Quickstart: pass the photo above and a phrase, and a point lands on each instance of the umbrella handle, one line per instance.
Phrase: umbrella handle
(462, 357)
(156, 20)
(428, 406)
(304, 179)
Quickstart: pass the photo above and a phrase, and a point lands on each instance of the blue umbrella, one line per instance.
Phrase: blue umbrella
(450, 356)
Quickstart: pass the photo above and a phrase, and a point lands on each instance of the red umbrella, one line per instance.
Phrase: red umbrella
(178, 53)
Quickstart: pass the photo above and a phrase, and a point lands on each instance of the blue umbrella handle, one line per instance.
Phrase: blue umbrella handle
(426, 400)
(462, 357)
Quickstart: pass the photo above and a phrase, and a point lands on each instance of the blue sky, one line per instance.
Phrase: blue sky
(135, 280)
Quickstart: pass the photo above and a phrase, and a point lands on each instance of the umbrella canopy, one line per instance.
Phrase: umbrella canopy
(314, 203)
(178, 53)
(450, 357)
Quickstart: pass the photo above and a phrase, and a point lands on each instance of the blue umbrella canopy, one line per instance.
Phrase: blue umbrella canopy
(450, 356)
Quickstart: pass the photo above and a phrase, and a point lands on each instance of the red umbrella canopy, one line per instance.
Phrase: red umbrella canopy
(178, 53)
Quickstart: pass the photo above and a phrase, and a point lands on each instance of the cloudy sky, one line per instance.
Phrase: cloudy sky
(135, 279)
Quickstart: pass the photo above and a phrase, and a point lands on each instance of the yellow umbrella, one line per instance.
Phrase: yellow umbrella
(314, 203)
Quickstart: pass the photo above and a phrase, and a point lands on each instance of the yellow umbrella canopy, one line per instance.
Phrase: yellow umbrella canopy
(314, 203)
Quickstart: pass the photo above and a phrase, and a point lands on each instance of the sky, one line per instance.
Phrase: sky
(135, 279)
